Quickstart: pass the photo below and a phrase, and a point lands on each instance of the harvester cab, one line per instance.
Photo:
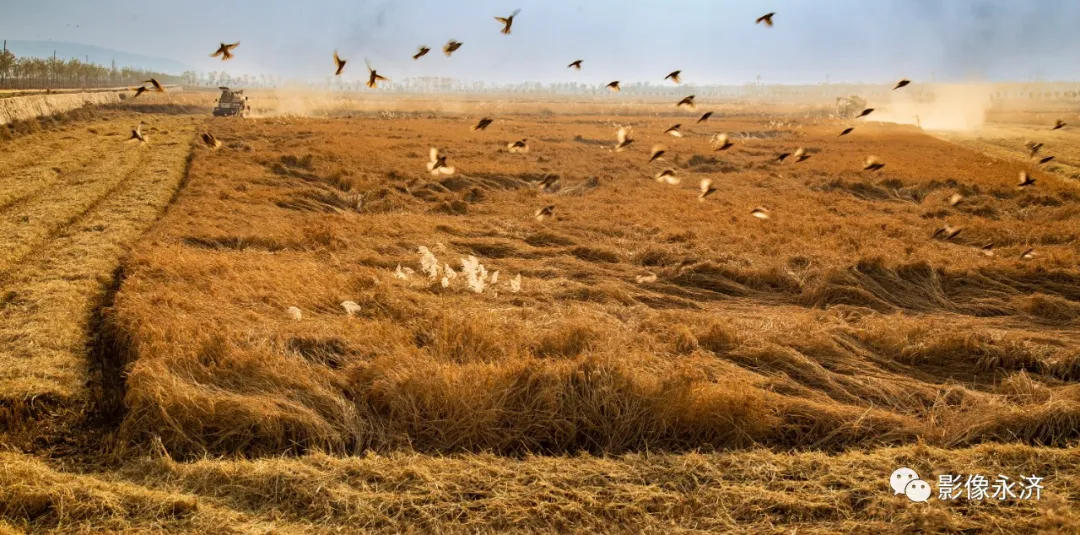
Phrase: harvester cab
(230, 103)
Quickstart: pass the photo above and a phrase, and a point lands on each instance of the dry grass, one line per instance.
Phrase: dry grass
(838, 323)
(747, 492)
(771, 377)
(72, 200)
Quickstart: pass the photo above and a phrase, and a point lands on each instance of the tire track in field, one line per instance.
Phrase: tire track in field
(54, 268)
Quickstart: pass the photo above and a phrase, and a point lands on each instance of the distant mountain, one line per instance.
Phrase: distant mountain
(96, 54)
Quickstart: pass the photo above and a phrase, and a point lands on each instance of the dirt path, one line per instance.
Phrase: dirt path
(71, 201)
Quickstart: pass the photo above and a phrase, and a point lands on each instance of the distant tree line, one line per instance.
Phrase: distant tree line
(52, 73)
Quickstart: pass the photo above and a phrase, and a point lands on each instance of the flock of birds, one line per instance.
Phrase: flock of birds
(437, 160)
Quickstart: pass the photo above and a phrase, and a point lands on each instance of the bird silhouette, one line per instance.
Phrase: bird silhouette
(225, 51)
(872, 164)
(901, 83)
(614, 86)
(1033, 148)
(137, 135)
(705, 117)
(766, 18)
(139, 90)
(865, 112)
(722, 142)
(545, 212)
(576, 64)
(521, 145)
(422, 52)
(156, 84)
(437, 163)
(657, 153)
(800, 155)
(622, 136)
(1025, 180)
(760, 212)
(846, 131)
(674, 130)
(340, 64)
(373, 76)
(211, 141)
(706, 189)
(956, 199)
(1028, 254)
(482, 124)
(687, 102)
(507, 22)
(1048, 159)
(450, 47)
(1059, 124)
(674, 76)
(948, 232)
(668, 176)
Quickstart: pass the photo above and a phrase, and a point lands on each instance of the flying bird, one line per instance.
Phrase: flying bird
(668, 176)
(1025, 180)
(948, 232)
(846, 131)
(1048, 159)
(800, 155)
(437, 163)
(674, 130)
(865, 112)
(520, 145)
(137, 135)
(340, 64)
(623, 137)
(1033, 148)
(156, 84)
(657, 152)
(484, 123)
(956, 199)
(766, 18)
(674, 76)
(1058, 124)
(872, 164)
(139, 90)
(614, 86)
(688, 102)
(901, 83)
(987, 249)
(450, 47)
(706, 189)
(722, 142)
(507, 22)
(373, 76)
(1028, 254)
(575, 65)
(705, 117)
(225, 51)
(782, 156)
(422, 52)
(544, 213)
(211, 141)
(760, 212)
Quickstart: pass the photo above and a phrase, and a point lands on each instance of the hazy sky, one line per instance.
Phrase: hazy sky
(712, 41)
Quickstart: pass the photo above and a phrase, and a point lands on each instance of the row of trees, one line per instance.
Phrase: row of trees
(53, 73)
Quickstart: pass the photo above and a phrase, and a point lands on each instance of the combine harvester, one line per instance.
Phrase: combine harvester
(231, 103)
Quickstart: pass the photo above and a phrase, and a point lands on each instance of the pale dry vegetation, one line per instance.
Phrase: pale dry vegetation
(566, 394)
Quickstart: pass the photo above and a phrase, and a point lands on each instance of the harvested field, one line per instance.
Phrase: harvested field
(644, 360)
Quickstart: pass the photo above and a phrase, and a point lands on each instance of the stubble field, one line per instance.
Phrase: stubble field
(770, 377)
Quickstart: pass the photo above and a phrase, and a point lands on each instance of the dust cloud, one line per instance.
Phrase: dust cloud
(952, 107)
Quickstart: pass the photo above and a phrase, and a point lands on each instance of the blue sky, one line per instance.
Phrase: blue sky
(712, 41)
